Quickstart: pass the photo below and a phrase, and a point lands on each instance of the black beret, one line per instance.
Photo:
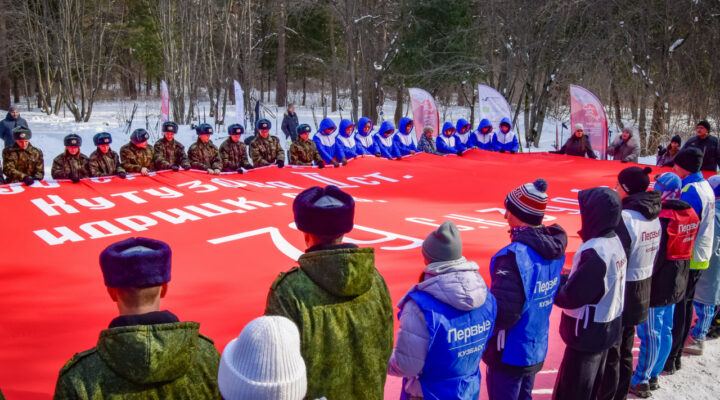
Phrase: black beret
(21, 133)
(324, 212)
(689, 159)
(169, 126)
(72, 140)
(303, 128)
(136, 263)
(236, 129)
(102, 138)
(139, 136)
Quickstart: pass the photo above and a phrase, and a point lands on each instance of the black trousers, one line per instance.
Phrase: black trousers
(682, 319)
(579, 375)
(618, 368)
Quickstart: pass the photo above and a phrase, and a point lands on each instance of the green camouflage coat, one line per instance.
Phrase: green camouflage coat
(105, 164)
(66, 165)
(343, 309)
(168, 153)
(18, 163)
(265, 151)
(304, 152)
(204, 155)
(135, 158)
(163, 361)
(234, 155)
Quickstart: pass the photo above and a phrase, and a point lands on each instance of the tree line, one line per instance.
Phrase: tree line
(653, 63)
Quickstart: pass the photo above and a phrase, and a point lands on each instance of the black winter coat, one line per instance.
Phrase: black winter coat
(637, 293)
(577, 147)
(289, 125)
(711, 152)
(669, 279)
(7, 126)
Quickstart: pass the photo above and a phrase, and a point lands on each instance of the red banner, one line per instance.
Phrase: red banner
(586, 109)
(425, 112)
(232, 234)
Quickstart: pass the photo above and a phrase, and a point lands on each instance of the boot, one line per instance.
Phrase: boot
(641, 390)
(654, 384)
(694, 346)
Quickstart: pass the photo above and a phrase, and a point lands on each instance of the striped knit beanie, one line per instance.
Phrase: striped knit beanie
(527, 202)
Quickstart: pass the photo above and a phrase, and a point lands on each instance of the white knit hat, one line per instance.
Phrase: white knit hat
(264, 362)
(578, 127)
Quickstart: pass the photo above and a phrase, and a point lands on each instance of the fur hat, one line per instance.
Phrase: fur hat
(169, 126)
(236, 129)
(324, 211)
(21, 133)
(303, 128)
(102, 138)
(689, 159)
(204, 129)
(136, 263)
(263, 124)
(72, 140)
(139, 136)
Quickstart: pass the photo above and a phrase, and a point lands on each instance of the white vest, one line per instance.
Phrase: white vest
(366, 141)
(644, 244)
(406, 139)
(463, 137)
(484, 139)
(505, 138)
(348, 142)
(610, 305)
(702, 250)
(386, 141)
(450, 141)
(326, 140)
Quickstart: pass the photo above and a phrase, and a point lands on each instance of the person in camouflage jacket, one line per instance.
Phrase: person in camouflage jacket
(22, 162)
(137, 156)
(266, 149)
(104, 161)
(168, 152)
(338, 300)
(145, 353)
(233, 152)
(303, 151)
(71, 164)
(203, 154)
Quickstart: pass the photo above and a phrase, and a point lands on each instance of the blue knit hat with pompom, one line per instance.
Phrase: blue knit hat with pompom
(527, 202)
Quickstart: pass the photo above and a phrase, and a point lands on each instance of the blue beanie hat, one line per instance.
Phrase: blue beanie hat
(102, 138)
(667, 181)
(324, 211)
(136, 263)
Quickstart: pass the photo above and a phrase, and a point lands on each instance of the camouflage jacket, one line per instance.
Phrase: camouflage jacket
(304, 152)
(204, 155)
(265, 151)
(169, 153)
(162, 361)
(18, 163)
(233, 155)
(343, 310)
(65, 166)
(105, 164)
(135, 158)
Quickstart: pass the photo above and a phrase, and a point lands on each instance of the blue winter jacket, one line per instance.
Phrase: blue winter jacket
(346, 143)
(365, 142)
(403, 140)
(6, 127)
(325, 142)
(505, 141)
(448, 144)
(384, 140)
(482, 140)
(463, 132)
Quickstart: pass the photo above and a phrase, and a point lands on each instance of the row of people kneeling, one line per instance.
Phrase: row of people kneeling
(24, 163)
(642, 253)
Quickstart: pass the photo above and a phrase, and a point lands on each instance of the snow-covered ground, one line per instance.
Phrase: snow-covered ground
(696, 380)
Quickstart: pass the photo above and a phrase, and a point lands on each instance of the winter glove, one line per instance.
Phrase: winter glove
(320, 164)
(460, 153)
(122, 175)
(512, 151)
(240, 171)
(216, 171)
(378, 155)
(412, 152)
(28, 180)
(74, 178)
(502, 150)
(187, 167)
(343, 161)
(335, 164)
(175, 168)
(624, 161)
(248, 167)
(210, 171)
(661, 151)
(280, 163)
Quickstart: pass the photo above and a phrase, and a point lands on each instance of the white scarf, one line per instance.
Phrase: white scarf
(366, 141)
(406, 139)
(326, 140)
(450, 141)
(347, 141)
(506, 137)
(387, 141)
(463, 137)
(483, 138)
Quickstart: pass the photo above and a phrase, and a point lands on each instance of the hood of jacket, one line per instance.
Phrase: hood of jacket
(548, 241)
(446, 126)
(345, 272)
(386, 127)
(361, 126)
(484, 124)
(648, 204)
(326, 123)
(9, 117)
(402, 125)
(677, 205)
(462, 123)
(600, 209)
(147, 354)
(507, 121)
(344, 124)
(456, 283)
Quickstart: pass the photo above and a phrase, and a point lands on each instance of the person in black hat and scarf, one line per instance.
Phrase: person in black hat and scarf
(12, 120)
(666, 156)
(707, 144)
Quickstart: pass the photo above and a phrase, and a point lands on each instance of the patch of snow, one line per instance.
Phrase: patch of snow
(675, 45)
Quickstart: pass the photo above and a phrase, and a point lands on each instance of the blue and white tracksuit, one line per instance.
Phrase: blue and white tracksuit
(403, 140)
(448, 144)
(707, 291)
(384, 140)
(365, 143)
(505, 141)
(482, 140)
(655, 334)
(325, 142)
(346, 143)
(463, 132)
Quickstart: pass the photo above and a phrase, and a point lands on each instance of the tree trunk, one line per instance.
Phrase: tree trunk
(657, 127)
(4, 68)
(616, 104)
(304, 91)
(333, 65)
(642, 117)
(280, 76)
(399, 98)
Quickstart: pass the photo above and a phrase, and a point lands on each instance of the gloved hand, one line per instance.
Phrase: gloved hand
(343, 161)
(661, 151)
(216, 171)
(512, 151)
(623, 161)
(460, 153)
(175, 168)
(321, 164)
(280, 163)
(412, 151)
(502, 150)
(74, 178)
(248, 167)
(28, 180)
(335, 164)
(398, 158)
(378, 155)
(240, 171)
(122, 175)
(210, 171)
(187, 167)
